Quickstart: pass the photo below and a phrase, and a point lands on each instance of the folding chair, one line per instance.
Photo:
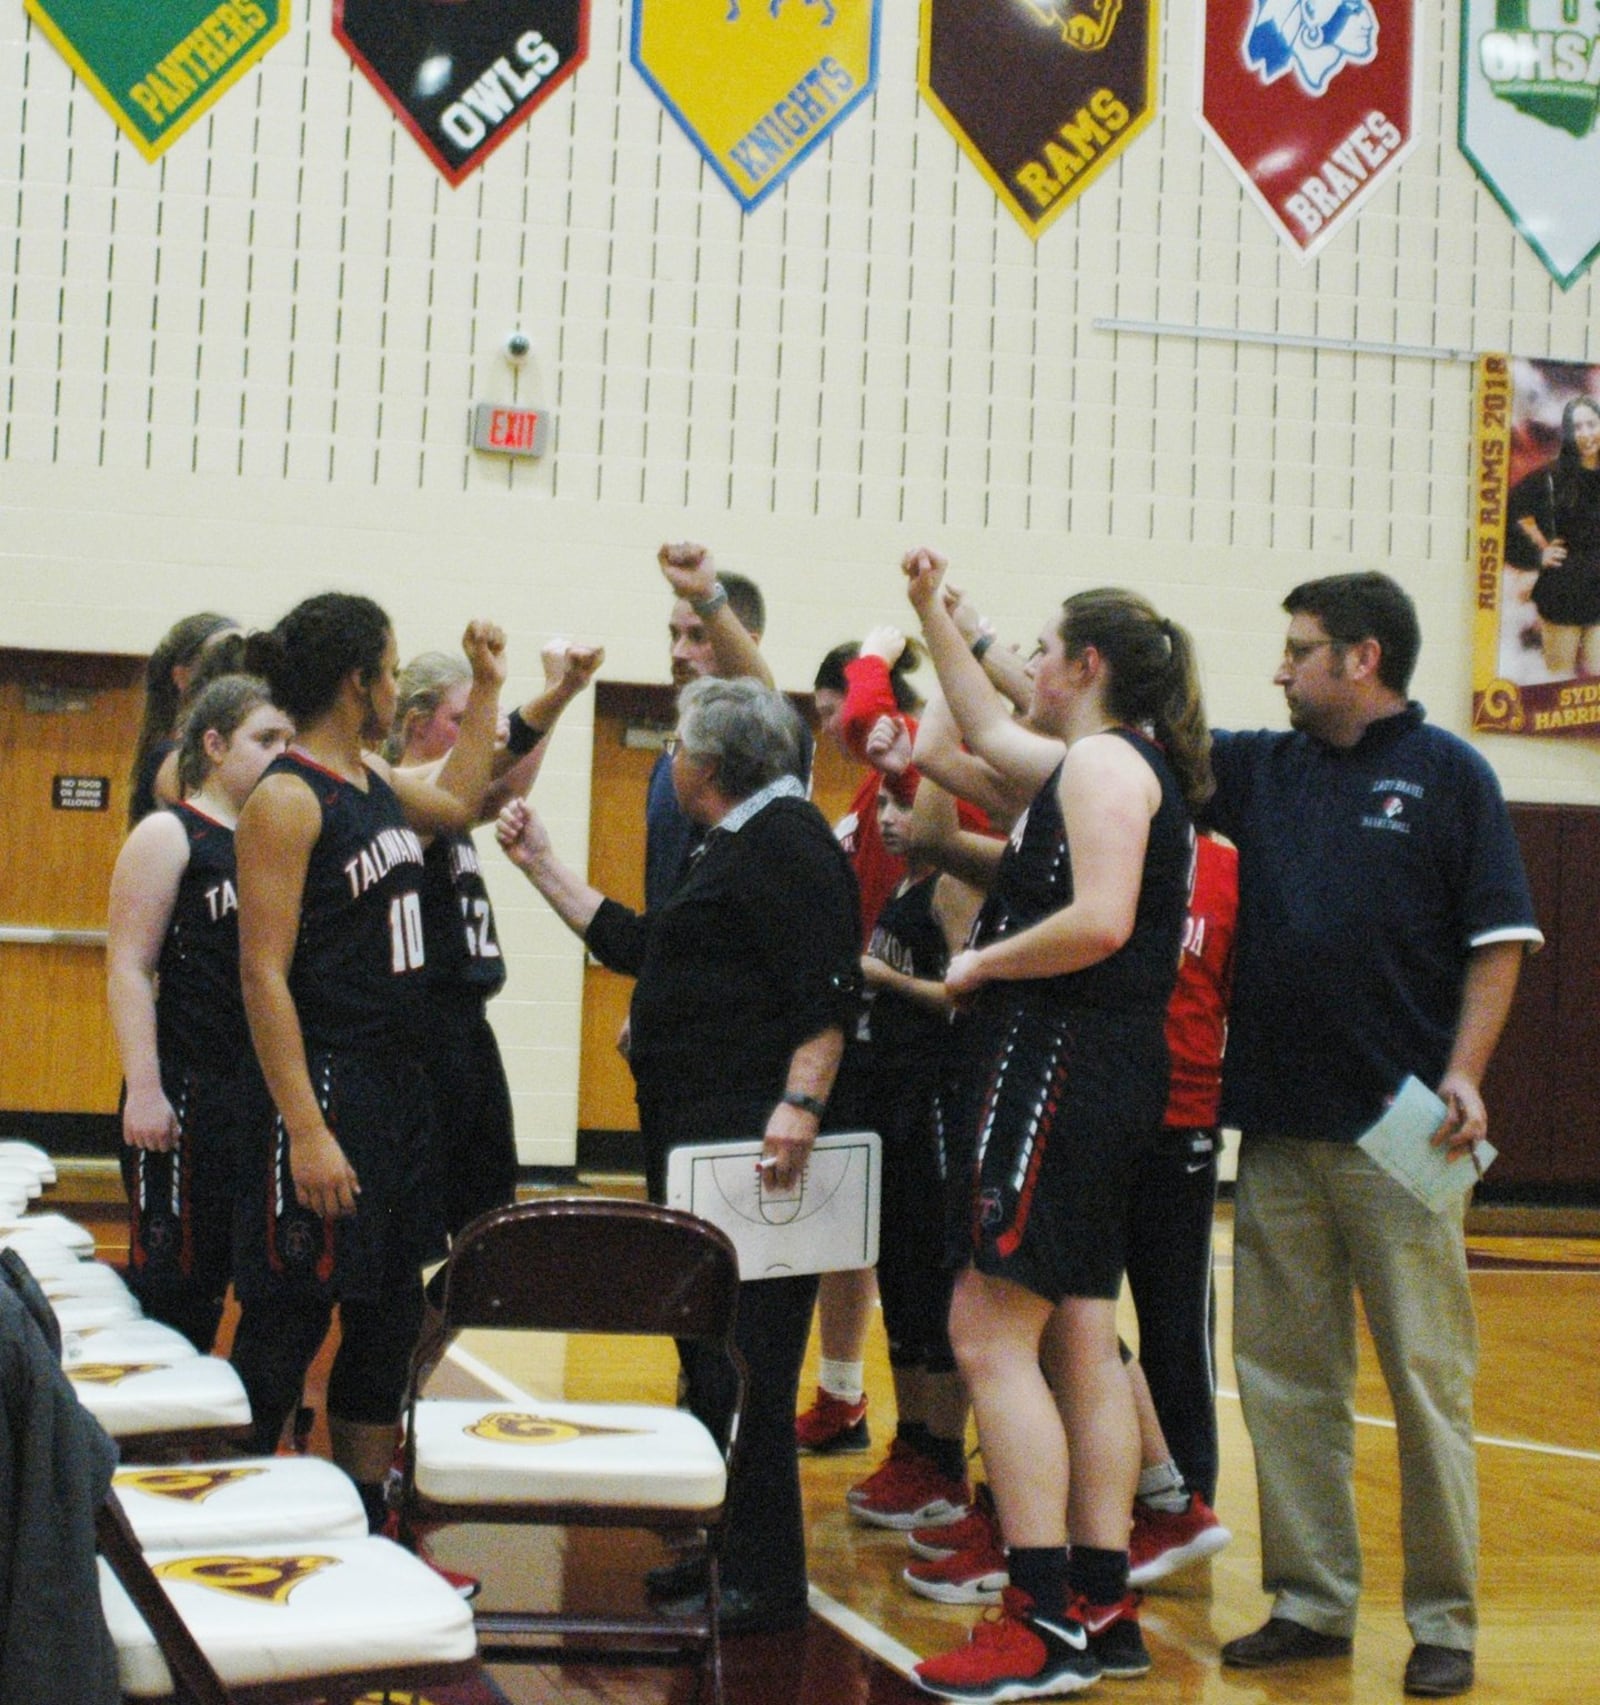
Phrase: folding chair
(155, 1409)
(124, 1343)
(243, 1500)
(22, 1229)
(334, 1619)
(18, 1178)
(15, 1152)
(597, 1265)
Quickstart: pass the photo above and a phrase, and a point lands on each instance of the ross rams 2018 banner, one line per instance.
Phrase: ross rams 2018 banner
(158, 65)
(757, 84)
(1536, 547)
(463, 75)
(1530, 100)
(1310, 102)
(1042, 95)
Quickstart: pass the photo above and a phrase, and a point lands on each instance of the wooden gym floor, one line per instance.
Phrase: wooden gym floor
(1538, 1420)
(1538, 1425)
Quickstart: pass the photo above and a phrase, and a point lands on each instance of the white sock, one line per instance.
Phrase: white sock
(1164, 1488)
(844, 1380)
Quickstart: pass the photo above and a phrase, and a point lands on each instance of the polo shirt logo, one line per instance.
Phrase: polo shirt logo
(1390, 813)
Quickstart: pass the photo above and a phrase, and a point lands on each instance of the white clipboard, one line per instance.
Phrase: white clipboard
(828, 1222)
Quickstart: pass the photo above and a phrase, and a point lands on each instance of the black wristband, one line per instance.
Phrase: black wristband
(806, 1103)
(521, 735)
(981, 644)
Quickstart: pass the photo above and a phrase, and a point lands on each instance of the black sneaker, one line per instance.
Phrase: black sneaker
(1114, 1636)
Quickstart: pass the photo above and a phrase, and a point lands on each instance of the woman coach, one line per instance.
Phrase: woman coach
(747, 975)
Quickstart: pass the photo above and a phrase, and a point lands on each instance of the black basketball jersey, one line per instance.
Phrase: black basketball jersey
(908, 939)
(1035, 879)
(358, 970)
(200, 1023)
(458, 921)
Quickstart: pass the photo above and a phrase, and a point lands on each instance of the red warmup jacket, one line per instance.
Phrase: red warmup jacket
(868, 696)
(1197, 1015)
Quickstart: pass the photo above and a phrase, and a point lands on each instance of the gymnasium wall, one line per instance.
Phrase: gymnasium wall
(243, 374)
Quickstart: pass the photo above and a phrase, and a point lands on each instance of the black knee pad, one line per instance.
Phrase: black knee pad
(368, 1381)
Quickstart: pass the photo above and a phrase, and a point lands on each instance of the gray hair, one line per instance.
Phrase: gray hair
(748, 733)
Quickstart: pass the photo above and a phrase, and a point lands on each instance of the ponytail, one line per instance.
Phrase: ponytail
(1152, 678)
(181, 645)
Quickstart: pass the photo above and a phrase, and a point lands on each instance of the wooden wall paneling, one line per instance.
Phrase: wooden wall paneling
(1517, 1085)
(1571, 1087)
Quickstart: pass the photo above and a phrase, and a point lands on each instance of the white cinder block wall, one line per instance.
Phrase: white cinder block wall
(243, 374)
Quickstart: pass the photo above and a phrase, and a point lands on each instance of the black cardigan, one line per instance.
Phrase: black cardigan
(755, 952)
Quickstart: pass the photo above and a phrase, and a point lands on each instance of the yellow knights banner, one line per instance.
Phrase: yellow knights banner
(757, 84)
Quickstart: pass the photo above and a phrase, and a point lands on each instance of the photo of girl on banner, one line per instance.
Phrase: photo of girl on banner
(1538, 547)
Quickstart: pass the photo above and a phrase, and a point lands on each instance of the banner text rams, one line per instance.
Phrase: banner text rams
(1082, 140)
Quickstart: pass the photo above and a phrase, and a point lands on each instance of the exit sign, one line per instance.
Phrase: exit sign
(510, 431)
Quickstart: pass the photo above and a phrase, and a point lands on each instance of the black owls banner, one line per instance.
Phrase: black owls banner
(462, 75)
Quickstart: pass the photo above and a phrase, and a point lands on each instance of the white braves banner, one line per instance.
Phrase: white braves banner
(1530, 87)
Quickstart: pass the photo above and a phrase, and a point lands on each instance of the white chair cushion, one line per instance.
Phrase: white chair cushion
(246, 1501)
(138, 1398)
(38, 1227)
(633, 1455)
(15, 1152)
(75, 1313)
(17, 1179)
(271, 1613)
(126, 1341)
(81, 1281)
(44, 1257)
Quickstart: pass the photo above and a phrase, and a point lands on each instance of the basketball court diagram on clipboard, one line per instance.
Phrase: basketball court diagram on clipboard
(828, 1221)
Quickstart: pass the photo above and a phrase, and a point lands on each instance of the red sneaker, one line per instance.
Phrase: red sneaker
(1014, 1654)
(978, 1576)
(469, 1586)
(908, 1491)
(833, 1427)
(977, 1530)
(1163, 1542)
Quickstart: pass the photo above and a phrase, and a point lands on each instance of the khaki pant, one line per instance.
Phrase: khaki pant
(1316, 1222)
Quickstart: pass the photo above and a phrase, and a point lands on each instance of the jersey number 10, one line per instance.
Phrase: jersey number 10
(405, 934)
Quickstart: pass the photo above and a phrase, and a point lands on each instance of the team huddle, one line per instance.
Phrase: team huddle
(1017, 961)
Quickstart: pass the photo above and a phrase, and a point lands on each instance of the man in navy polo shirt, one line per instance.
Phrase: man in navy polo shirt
(1383, 918)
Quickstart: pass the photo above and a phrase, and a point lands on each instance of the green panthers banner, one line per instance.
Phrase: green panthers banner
(157, 65)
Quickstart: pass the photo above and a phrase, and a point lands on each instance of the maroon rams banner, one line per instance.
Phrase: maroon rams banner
(462, 75)
(1311, 101)
(1041, 94)
(1536, 548)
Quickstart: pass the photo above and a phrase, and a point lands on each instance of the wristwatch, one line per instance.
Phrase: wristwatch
(713, 601)
(806, 1103)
